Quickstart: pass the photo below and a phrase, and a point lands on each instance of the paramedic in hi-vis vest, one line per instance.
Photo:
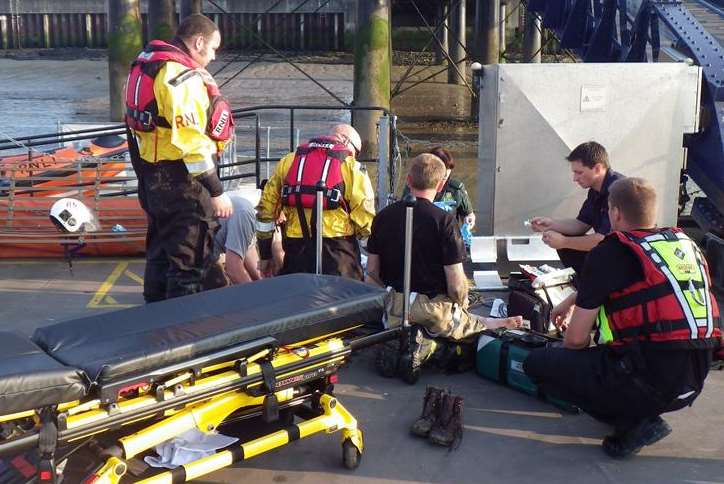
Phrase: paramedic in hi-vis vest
(348, 206)
(646, 293)
(177, 126)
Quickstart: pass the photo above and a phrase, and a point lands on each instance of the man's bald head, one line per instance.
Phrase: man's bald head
(347, 135)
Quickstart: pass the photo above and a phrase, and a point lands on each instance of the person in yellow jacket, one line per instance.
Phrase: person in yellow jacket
(177, 123)
(348, 206)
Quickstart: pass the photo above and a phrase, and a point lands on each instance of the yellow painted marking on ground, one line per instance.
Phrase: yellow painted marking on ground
(132, 275)
(97, 299)
(11, 262)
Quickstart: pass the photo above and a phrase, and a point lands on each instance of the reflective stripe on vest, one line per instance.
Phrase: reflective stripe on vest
(664, 261)
(604, 335)
(676, 283)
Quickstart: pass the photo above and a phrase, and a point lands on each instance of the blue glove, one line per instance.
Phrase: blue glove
(466, 234)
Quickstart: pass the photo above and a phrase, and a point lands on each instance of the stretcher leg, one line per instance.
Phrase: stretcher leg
(205, 416)
(334, 417)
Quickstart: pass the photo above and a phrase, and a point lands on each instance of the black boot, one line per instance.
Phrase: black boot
(448, 429)
(454, 356)
(646, 432)
(420, 349)
(430, 412)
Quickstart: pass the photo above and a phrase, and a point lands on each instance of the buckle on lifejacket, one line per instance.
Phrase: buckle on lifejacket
(334, 195)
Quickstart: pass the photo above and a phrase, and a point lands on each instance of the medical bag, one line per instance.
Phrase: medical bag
(500, 356)
(533, 299)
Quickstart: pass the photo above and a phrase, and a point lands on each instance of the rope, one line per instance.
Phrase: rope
(18, 143)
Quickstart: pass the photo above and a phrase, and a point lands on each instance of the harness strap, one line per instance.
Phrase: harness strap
(649, 294)
(503, 362)
(47, 443)
(661, 326)
(333, 195)
(270, 407)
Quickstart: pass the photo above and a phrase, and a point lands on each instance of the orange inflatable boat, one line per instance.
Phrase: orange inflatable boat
(98, 165)
(26, 229)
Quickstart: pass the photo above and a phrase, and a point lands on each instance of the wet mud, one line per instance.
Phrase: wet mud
(41, 89)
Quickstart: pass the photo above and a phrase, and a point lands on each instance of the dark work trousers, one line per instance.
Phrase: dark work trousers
(340, 256)
(614, 385)
(573, 258)
(180, 248)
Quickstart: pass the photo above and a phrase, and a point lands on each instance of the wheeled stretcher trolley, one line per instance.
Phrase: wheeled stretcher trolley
(148, 374)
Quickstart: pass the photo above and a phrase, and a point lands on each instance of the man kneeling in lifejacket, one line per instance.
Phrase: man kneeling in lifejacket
(348, 206)
(646, 291)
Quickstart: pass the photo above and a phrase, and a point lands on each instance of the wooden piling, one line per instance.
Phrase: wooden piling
(124, 44)
(371, 68)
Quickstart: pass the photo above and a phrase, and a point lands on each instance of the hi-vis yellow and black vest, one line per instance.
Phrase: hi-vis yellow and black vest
(673, 303)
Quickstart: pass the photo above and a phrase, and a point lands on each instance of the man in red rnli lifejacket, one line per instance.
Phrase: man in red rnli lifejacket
(349, 206)
(646, 292)
(177, 125)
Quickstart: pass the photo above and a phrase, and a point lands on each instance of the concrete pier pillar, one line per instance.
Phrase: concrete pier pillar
(441, 50)
(4, 42)
(487, 17)
(457, 42)
(124, 43)
(89, 30)
(161, 19)
(46, 30)
(502, 27)
(372, 56)
(532, 38)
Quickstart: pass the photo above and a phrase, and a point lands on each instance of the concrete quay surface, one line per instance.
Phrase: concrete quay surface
(508, 437)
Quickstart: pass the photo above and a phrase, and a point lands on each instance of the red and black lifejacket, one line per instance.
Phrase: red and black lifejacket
(673, 303)
(319, 160)
(141, 107)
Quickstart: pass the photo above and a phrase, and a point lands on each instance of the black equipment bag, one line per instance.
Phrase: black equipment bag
(532, 304)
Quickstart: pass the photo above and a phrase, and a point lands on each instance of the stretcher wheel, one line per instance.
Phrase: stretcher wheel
(351, 455)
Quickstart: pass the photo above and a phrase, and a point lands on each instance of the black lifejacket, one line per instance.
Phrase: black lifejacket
(318, 160)
(141, 107)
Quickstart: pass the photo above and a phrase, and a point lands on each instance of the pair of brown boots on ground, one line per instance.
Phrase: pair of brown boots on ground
(441, 421)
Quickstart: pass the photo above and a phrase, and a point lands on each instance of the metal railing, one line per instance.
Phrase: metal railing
(97, 178)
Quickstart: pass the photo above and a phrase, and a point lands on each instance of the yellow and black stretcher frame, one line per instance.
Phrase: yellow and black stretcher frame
(261, 377)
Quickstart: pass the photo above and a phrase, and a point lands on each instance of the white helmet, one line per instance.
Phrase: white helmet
(71, 215)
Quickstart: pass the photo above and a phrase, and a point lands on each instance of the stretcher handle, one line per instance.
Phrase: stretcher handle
(321, 187)
(409, 201)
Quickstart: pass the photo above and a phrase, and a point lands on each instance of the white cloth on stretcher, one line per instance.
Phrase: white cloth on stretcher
(188, 447)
